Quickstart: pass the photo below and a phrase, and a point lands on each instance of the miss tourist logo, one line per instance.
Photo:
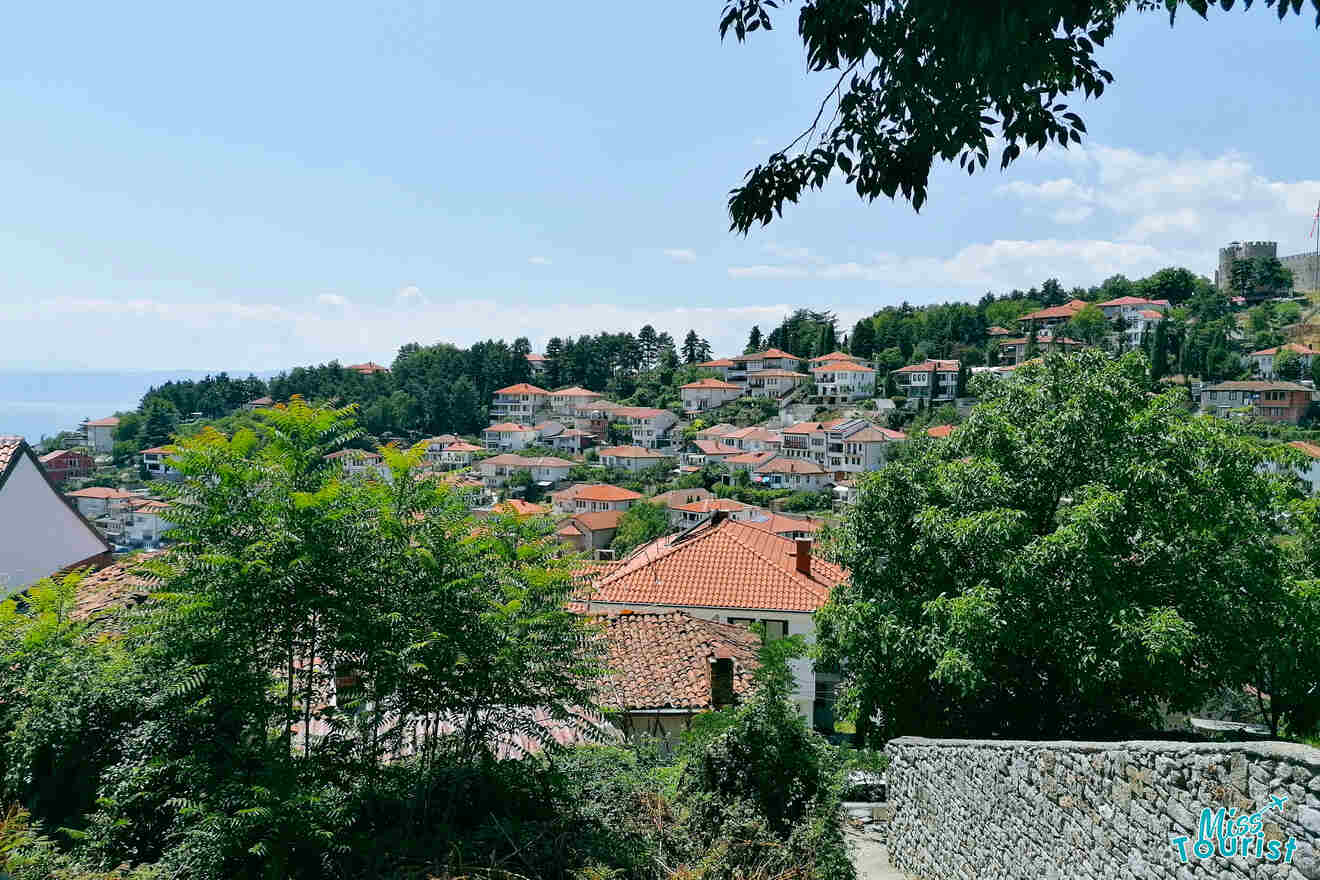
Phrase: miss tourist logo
(1226, 834)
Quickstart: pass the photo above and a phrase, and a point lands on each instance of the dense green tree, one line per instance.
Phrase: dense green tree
(983, 77)
(1089, 325)
(691, 347)
(648, 341)
(1000, 589)
(1159, 353)
(862, 342)
(159, 420)
(1288, 365)
(1175, 284)
(753, 340)
(640, 524)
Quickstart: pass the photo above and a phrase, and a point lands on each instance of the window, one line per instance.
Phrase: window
(774, 629)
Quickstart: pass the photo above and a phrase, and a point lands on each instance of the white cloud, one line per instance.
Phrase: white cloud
(539, 261)
(681, 255)
(411, 293)
(331, 299)
(1188, 202)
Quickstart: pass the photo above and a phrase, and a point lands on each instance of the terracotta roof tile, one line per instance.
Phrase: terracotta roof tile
(9, 447)
(715, 447)
(710, 505)
(604, 492)
(633, 452)
(509, 459)
(462, 447)
(784, 525)
(804, 466)
(506, 428)
(121, 585)
(1309, 448)
(663, 661)
(718, 362)
(599, 520)
(769, 353)
(576, 391)
(755, 459)
(841, 367)
(726, 565)
(522, 388)
(518, 507)
(107, 422)
(715, 384)
(90, 491)
(940, 431)
(1294, 347)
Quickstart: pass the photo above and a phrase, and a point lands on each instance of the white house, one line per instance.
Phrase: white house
(720, 366)
(705, 451)
(96, 501)
(686, 515)
(932, 381)
(843, 381)
(508, 436)
(791, 473)
(1309, 473)
(705, 394)
(155, 461)
(42, 532)
(459, 454)
(545, 469)
(360, 463)
(774, 383)
(634, 458)
(597, 497)
(745, 365)
(855, 446)
(567, 401)
(101, 434)
(1262, 362)
(754, 439)
(731, 572)
(518, 403)
(651, 428)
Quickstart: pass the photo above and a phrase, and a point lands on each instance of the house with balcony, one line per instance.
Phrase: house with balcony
(66, 464)
(730, 572)
(538, 363)
(694, 512)
(545, 470)
(155, 463)
(572, 441)
(836, 357)
(1013, 350)
(1271, 401)
(675, 497)
(806, 441)
(1047, 321)
(522, 403)
(702, 451)
(598, 497)
(95, 501)
(855, 446)
(1262, 362)
(361, 463)
(567, 401)
(458, 455)
(745, 365)
(651, 428)
(775, 383)
(931, 382)
(843, 381)
(747, 461)
(754, 439)
(635, 458)
(799, 475)
(719, 366)
(508, 436)
(708, 394)
(595, 418)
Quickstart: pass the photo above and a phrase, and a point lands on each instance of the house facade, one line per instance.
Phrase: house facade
(775, 383)
(567, 401)
(521, 403)
(361, 463)
(508, 436)
(707, 394)
(155, 461)
(635, 458)
(840, 381)
(791, 473)
(932, 382)
(745, 365)
(651, 428)
(544, 469)
(590, 532)
(65, 464)
(855, 446)
(729, 572)
(101, 434)
(1015, 350)
(1262, 362)
(1047, 321)
(457, 455)
(1275, 401)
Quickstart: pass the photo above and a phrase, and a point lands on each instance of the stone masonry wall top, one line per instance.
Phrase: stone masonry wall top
(1014, 809)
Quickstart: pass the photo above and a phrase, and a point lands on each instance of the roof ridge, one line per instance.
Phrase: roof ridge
(794, 574)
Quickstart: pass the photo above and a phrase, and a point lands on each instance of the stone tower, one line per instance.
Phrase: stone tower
(1241, 250)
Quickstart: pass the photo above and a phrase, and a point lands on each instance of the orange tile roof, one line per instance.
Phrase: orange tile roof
(679, 496)
(117, 586)
(715, 447)
(1151, 314)
(633, 452)
(663, 661)
(841, 367)
(462, 447)
(90, 491)
(713, 384)
(158, 450)
(803, 466)
(1128, 301)
(512, 460)
(710, 505)
(835, 356)
(536, 358)
(939, 366)
(780, 374)
(518, 507)
(753, 433)
(718, 430)
(996, 330)
(506, 428)
(355, 454)
(599, 520)
(718, 362)
(1309, 448)
(725, 565)
(638, 412)
(107, 422)
(576, 391)
(940, 430)
(1294, 347)
(522, 388)
(783, 525)
(805, 428)
(872, 434)
(368, 367)
(754, 459)
(603, 492)
(769, 353)
(1066, 310)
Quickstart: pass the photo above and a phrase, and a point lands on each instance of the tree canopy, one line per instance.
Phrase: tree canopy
(919, 81)
(1077, 557)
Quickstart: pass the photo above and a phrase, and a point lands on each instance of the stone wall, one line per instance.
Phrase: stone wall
(1006, 810)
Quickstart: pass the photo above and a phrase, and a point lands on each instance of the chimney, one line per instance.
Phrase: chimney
(803, 555)
(718, 517)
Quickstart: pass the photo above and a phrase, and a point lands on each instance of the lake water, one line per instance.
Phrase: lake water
(36, 404)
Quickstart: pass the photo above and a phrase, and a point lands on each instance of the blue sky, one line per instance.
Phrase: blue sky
(262, 185)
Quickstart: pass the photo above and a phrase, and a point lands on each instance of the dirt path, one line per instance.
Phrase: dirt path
(870, 857)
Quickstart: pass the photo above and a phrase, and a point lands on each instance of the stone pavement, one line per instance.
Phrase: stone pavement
(865, 829)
